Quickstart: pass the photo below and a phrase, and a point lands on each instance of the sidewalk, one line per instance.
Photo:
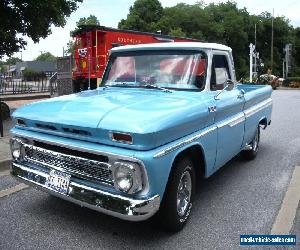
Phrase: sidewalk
(5, 155)
(7, 125)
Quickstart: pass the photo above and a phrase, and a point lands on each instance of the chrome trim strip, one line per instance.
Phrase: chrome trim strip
(258, 107)
(183, 143)
(232, 121)
(57, 133)
(237, 121)
(248, 147)
(20, 134)
(112, 157)
(115, 205)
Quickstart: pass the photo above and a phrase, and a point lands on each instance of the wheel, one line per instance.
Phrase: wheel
(177, 202)
(250, 154)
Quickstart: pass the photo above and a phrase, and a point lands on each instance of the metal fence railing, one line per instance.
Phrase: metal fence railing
(19, 86)
(53, 84)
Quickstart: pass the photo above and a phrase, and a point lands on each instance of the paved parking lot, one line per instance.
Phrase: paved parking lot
(241, 198)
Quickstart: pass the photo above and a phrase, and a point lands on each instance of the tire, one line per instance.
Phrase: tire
(178, 199)
(250, 154)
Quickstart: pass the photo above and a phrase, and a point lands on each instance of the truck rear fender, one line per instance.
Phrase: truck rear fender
(263, 122)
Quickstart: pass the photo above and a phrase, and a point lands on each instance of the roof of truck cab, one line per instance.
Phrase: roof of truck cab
(172, 45)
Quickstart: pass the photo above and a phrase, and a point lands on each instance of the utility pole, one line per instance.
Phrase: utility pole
(272, 41)
(288, 52)
(283, 74)
(255, 66)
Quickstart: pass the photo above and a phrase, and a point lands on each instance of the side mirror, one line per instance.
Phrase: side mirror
(229, 85)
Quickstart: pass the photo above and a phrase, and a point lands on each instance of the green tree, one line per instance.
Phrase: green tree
(177, 32)
(82, 22)
(143, 16)
(13, 60)
(90, 20)
(222, 23)
(296, 54)
(3, 67)
(231, 21)
(30, 18)
(46, 56)
(70, 47)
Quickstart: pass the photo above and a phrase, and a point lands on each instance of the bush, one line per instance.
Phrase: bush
(291, 81)
(31, 75)
(294, 84)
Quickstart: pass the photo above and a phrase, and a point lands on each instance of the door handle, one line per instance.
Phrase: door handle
(241, 94)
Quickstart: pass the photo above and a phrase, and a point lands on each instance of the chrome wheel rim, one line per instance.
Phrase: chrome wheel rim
(255, 142)
(184, 191)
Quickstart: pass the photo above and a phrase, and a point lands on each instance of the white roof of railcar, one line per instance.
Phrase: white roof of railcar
(172, 45)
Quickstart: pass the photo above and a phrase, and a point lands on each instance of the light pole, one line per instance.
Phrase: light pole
(272, 41)
(252, 48)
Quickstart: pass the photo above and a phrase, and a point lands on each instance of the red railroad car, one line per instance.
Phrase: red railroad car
(92, 45)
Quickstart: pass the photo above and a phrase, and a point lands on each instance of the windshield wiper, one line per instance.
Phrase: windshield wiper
(154, 86)
(123, 84)
(148, 86)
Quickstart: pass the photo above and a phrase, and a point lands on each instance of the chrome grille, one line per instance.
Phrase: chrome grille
(73, 165)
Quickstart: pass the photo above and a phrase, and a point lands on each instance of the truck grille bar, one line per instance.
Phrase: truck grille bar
(74, 165)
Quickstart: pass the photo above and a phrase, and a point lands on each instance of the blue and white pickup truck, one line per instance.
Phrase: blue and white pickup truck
(164, 116)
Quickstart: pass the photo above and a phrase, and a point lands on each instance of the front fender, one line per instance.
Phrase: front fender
(159, 162)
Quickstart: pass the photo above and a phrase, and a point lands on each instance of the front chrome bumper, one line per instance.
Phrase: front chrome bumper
(115, 205)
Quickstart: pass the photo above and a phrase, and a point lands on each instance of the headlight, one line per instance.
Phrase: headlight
(127, 177)
(16, 149)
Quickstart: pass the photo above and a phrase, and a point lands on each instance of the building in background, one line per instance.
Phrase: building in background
(46, 67)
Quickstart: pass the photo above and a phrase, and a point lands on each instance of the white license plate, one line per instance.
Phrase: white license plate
(58, 181)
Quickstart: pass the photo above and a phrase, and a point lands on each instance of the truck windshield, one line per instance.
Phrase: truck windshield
(164, 69)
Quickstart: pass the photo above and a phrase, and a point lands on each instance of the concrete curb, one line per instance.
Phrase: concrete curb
(288, 210)
(286, 88)
(24, 97)
(5, 164)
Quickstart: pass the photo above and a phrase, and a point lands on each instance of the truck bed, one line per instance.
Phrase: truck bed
(255, 94)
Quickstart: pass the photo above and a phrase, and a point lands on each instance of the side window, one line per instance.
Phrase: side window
(219, 72)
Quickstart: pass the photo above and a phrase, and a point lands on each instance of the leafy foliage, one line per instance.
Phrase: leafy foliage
(3, 67)
(83, 24)
(143, 16)
(30, 18)
(70, 47)
(46, 56)
(13, 60)
(222, 23)
(90, 20)
(31, 75)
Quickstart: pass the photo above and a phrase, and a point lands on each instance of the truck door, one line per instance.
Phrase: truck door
(229, 116)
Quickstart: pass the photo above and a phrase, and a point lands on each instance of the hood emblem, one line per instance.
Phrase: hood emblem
(212, 109)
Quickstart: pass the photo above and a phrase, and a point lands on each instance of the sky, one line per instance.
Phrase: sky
(110, 12)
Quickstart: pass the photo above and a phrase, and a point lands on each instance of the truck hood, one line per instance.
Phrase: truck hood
(152, 117)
